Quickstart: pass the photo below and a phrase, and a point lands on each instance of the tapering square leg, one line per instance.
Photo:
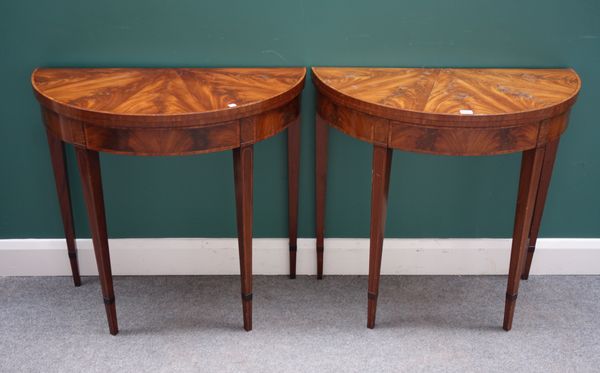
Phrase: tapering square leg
(540, 201)
(243, 169)
(531, 167)
(59, 165)
(89, 169)
(380, 181)
(293, 134)
(321, 140)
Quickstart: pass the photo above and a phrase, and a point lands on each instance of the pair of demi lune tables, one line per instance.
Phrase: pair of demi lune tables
(180, 111)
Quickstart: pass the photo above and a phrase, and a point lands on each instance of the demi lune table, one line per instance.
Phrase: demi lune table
(466, 112)
(160, 112)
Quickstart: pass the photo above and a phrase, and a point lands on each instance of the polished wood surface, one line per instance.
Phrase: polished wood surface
(243, 159)
(191, 111)
(59, 165)
(168, 112)
(529, 179)
(91, 180)
(172, 96)
(449, 112)
(547, 167)
(293, 184)
(380, 185)
(496, 96)
(321, 143)
(419, 110)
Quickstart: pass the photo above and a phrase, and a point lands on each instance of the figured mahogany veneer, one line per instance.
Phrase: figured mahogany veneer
(450, 112)
(167, 111)
(420, 109)
(170, 111)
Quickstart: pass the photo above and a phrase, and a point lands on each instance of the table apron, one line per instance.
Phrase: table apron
(462, 140)
(172, 140)
(444, 140)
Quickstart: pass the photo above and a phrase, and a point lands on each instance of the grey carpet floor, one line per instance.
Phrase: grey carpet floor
(194, 324)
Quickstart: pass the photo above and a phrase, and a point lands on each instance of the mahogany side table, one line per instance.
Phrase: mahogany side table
(159, 112)
(450, 112)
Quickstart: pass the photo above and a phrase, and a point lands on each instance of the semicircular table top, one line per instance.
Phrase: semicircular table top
(161, 95)
(168, 112)
(451, 95)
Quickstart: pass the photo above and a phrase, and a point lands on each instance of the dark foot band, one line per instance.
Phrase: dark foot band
(110, 300)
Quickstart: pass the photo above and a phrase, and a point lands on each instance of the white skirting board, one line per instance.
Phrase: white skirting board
(343, 256)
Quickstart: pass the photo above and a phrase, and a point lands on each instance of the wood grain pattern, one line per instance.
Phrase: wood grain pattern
(163, 141)
(66, 129)
(418, 110)
(449, 112)
(169, 111)
(354, 123)
(461, 140)
(164, 97)
(436, 96)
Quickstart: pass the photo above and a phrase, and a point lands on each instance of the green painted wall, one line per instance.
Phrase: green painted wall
(193, 196)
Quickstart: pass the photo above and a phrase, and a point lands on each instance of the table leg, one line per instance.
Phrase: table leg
(548, 165)
(321, 140)
(293, 134)
(531, 167)
(59, 165)
(242, 166)
(380, 181)
(89, 169)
